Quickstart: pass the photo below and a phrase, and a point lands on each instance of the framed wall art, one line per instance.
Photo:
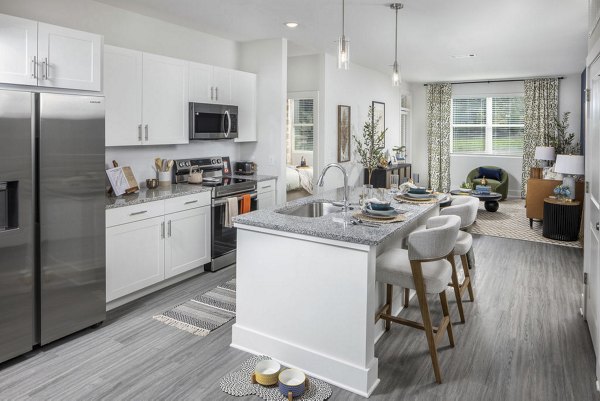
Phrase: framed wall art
(379, 116)
(344, 135)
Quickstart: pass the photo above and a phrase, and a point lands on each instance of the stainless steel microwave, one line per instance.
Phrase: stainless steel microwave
(213, 121)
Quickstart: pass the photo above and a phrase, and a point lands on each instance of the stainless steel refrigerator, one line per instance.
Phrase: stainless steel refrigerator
(52, 230)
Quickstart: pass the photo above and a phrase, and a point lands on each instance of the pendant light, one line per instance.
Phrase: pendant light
(343, 46)
(396, 78)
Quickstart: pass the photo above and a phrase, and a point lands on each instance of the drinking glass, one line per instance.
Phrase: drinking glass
(367, 193)
(394, 182)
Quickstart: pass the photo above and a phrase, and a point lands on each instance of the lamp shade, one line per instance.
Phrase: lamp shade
(570, 164)
(544, 153)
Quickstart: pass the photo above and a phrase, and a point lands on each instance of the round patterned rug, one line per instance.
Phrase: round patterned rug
(239, 383)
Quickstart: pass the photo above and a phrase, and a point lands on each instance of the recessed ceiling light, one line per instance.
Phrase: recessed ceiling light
(464, 56)
(291, 24)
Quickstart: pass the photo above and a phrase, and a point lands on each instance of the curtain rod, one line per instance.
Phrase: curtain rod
(492, 81)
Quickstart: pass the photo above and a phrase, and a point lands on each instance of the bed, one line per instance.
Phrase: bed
(299, 178)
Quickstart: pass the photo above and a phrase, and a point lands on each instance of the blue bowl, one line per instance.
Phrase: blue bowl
(418, 190)
(380, 206)
(292, 380)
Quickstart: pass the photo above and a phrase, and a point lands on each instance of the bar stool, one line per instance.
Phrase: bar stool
(466, 208)
(425, 267)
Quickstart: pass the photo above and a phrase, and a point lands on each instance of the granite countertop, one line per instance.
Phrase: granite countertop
(332, 226)
(172, 191)
(150, 195)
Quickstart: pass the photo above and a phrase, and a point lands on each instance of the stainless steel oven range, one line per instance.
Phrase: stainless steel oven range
(223, 186)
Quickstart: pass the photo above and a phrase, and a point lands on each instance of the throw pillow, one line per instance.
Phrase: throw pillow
(491, 173)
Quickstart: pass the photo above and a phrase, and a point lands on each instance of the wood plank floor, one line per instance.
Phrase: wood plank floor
(524, 340)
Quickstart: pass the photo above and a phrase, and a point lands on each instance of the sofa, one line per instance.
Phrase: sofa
(539, 189)
(500, 186)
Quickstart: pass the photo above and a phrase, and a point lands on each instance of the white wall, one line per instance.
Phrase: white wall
(268, 59)
(461, 165)
(357, 88)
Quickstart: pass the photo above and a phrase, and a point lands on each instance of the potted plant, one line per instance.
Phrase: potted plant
(370, 148)
(562, 141)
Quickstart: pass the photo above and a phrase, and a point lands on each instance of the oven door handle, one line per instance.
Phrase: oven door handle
(223, 201)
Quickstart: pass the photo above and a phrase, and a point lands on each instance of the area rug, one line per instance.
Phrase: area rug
(239, 383)
(203, 313)
(510, 221)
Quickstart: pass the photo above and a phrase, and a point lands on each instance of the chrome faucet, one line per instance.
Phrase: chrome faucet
(321, 181)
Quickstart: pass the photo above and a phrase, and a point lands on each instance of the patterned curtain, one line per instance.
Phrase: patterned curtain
(541, 110)
(439, 98)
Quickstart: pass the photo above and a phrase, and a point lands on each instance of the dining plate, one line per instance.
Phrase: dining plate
(378, 217)
(418, 196)
(388, 212)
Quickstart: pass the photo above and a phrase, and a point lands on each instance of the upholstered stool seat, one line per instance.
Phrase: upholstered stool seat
(393, 267)
(464, 242)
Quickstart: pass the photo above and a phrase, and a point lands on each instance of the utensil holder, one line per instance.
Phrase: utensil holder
(164, 178)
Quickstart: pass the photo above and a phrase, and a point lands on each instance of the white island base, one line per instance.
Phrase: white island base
(309, 303)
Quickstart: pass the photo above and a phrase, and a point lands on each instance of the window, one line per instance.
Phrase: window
(302, 124)
(489, 125)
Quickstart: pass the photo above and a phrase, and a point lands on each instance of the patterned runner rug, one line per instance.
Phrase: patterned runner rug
(510, 221)
(204, 313)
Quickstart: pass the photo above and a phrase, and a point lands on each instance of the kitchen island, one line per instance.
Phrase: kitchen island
(306, 289)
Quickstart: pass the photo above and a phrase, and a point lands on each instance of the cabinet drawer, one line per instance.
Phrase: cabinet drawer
(187, 202)
(129, 214)
(265, 186)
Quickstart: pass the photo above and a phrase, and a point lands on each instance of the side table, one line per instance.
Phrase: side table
(561, 219)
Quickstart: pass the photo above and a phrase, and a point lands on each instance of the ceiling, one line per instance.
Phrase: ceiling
(510, 38)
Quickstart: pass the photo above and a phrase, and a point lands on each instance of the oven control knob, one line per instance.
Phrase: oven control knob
(213, 161)
(187, 164)
(180, 164)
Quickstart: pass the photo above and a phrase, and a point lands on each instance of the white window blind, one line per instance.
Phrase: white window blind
(468, 123)
(488, 125)
(303, 124)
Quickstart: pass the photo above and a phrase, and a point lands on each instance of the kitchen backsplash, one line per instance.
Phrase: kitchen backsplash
(141, 158)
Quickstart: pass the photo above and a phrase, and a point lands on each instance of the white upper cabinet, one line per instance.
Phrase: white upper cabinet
(18, 50)
(39, 54)
(146, 98)
(201, 88)
(222, 83)
(69, 58)
(123, 96)
(209, 84)
(165, 99)
(243, 95)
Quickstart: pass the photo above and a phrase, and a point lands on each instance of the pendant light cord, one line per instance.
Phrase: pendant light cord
(396, 50)
(343, 18)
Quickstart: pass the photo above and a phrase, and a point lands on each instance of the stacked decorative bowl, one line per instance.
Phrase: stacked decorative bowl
(267, 372)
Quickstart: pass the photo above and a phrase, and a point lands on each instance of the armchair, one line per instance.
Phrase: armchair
(500, 186)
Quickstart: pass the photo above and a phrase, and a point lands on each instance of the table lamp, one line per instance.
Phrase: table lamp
(544, 153)
(570, 166)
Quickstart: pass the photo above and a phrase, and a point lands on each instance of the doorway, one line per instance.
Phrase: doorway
(302, 130)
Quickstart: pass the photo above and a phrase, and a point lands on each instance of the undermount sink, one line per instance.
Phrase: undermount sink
(313, 209)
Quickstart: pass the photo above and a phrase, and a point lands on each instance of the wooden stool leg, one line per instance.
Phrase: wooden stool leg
(465, 264)
(422, 297)
(456, 286)
(406, 297)
(389, 296)
(444, 302)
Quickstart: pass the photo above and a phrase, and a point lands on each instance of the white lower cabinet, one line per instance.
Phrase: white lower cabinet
(145, 246)
(267, 194)
(135, 256)
(187, 243)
